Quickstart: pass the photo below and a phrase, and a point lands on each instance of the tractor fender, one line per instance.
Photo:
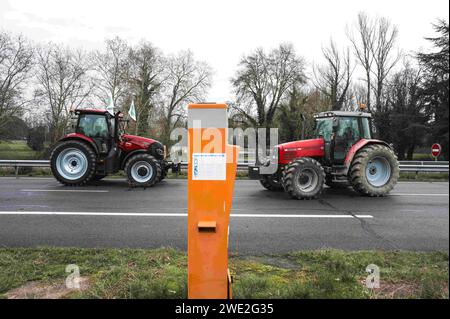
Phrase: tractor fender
(129, 155)
(356, 147)
(82, 138)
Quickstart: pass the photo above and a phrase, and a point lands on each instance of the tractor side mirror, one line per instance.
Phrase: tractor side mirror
(335, 122)
(73, 122)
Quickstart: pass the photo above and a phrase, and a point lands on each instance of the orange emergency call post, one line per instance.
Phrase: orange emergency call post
(211, 174)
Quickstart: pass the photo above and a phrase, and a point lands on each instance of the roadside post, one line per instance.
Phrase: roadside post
(212, 167)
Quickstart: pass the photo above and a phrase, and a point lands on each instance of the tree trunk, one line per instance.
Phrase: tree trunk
(410, 154)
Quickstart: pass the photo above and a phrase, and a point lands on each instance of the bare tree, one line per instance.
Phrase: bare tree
(263, 81)
(334, 78)
(363, 44)
(187, 81)
(16, 60)
(373, 47)
(384, 60)
(111, 67)
(63, 83)
(145, 76)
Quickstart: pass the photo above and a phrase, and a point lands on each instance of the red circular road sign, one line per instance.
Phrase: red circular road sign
(436, 149)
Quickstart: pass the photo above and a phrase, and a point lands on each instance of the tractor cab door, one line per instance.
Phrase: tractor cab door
(346, 134)
(324, 130)
(97, 127)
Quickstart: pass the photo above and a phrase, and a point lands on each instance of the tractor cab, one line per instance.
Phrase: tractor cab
(99, 125)
(340, 131)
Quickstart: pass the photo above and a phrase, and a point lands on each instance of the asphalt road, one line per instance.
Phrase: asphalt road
(41, 212)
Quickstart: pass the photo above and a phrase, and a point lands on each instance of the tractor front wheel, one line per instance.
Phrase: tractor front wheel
(271, 183)
(374, 171)
(73, 163)
(303, 178)
(143, 170)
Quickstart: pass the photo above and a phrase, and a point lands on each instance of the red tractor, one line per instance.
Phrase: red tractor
(342, 153)
(99, 147)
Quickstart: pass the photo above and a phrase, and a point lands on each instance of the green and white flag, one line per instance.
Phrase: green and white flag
(132, 111)
(110, 107)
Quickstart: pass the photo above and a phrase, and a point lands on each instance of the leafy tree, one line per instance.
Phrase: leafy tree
(36, 138)
(263, 80)
(295, 117)
(403, 120)
(14, 128)
(436, 85)
(291, 116)
(145, 76)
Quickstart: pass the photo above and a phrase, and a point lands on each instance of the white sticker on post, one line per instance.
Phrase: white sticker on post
(209, 166)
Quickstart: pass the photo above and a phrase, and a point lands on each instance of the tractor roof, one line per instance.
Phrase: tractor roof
(97, 111)
(342, 113)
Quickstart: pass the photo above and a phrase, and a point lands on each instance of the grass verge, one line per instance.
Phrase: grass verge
(16, 150)
(161, 273)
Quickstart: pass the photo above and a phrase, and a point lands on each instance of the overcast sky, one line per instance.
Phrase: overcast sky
(218, 32)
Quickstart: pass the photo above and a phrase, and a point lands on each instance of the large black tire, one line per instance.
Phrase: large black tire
(163, 172)
(61, 161)
(304, 178)
(143, 170)
(271, 182)
(363, 175)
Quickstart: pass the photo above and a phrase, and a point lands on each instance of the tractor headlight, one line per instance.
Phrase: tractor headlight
(160, 151)
(157, 150)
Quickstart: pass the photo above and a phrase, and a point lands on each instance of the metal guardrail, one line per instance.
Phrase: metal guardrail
(424, 166)
(405, 166)
(23, 163)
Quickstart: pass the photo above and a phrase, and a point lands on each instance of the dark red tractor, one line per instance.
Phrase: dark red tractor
(342, 153)
(98, 147)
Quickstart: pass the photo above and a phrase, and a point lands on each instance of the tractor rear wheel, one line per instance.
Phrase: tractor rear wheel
(374, 170)
(271, 182)
(73, 163)
(303, 178)
(143, 170)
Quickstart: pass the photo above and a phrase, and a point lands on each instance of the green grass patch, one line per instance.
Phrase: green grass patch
(12, 150)
(162, 273)
(424, 177)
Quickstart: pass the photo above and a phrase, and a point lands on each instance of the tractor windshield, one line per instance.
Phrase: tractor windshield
(93, 125)
(324, 128)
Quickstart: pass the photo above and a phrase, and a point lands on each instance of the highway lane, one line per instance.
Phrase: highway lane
(109, 214)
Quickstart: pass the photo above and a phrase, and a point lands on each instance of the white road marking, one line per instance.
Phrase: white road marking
(409, 194)
(67, 190)
(177, 215)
